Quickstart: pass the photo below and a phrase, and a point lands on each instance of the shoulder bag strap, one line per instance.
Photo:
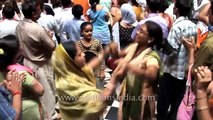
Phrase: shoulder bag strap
(189, 79)
(97, 16)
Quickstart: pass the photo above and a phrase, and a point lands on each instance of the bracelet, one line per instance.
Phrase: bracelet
(16, 93)
(202, 108)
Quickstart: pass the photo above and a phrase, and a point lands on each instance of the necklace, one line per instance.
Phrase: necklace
(86, 45)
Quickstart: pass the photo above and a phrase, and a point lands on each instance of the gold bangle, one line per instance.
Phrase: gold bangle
(202, 108)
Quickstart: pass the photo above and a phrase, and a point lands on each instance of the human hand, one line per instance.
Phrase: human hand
(102, 74)
(14, 81)
(203, 77)
(113, 48)
(50, 34)
(189, 43)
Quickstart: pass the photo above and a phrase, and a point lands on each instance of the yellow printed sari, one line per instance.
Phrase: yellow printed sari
(76, 88)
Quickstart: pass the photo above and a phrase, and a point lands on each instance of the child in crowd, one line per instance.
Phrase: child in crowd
(91, 47)
(32, 89)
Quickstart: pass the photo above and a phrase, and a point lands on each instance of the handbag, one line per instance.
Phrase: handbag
(187, 106)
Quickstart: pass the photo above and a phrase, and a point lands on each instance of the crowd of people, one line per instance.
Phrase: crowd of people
(54, 54)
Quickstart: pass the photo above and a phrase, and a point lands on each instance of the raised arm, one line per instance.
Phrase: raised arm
(204, 14)
(14, 85)
(189, 44)
(203, 77)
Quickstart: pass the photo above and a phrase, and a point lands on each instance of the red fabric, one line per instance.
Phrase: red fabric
(110, 63)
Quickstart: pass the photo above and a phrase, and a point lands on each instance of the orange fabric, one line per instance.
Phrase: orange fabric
(84, 3)
(200, 38)
(138, 11)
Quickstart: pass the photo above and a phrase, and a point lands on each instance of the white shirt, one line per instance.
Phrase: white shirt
(57, 11)
(49, 23)
(8, 27)
(64, 16)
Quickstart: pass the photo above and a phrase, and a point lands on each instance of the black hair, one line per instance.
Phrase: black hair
(49, 10)
(153, 5)
(45, 1)
(164, 5)
(66, 3)
(183, 9)
(13, 4)
(84, 24)
(211, 8)
(70, 48)
(134, 2)
(8, 12)
(121, 2)
(56, 3)
(9, 46)
(93, 4)
(15, 7)
(77, 11)
(155, 32)
(89, 56)
(28, 8)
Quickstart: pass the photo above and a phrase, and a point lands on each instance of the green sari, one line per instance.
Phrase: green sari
(76, 88)
(132, 88)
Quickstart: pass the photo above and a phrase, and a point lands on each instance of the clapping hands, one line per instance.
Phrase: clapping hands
(203, 77)
(14, 80)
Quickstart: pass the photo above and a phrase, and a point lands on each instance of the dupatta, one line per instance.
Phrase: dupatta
(76, 88)
(131, 86)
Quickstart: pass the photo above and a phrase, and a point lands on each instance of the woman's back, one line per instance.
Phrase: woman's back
(98, 18)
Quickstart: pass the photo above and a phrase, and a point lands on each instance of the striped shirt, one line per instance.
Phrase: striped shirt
(176, 62)
(6, 110)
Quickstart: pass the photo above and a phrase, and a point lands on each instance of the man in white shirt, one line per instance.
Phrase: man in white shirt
(63, 17)
(8, 25)
(49, 23)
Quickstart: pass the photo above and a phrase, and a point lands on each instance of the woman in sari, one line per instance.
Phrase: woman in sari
(138, 88)
(79, 99)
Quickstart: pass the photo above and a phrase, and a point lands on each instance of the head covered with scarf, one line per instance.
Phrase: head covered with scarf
(128, 14)
(75, 87)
